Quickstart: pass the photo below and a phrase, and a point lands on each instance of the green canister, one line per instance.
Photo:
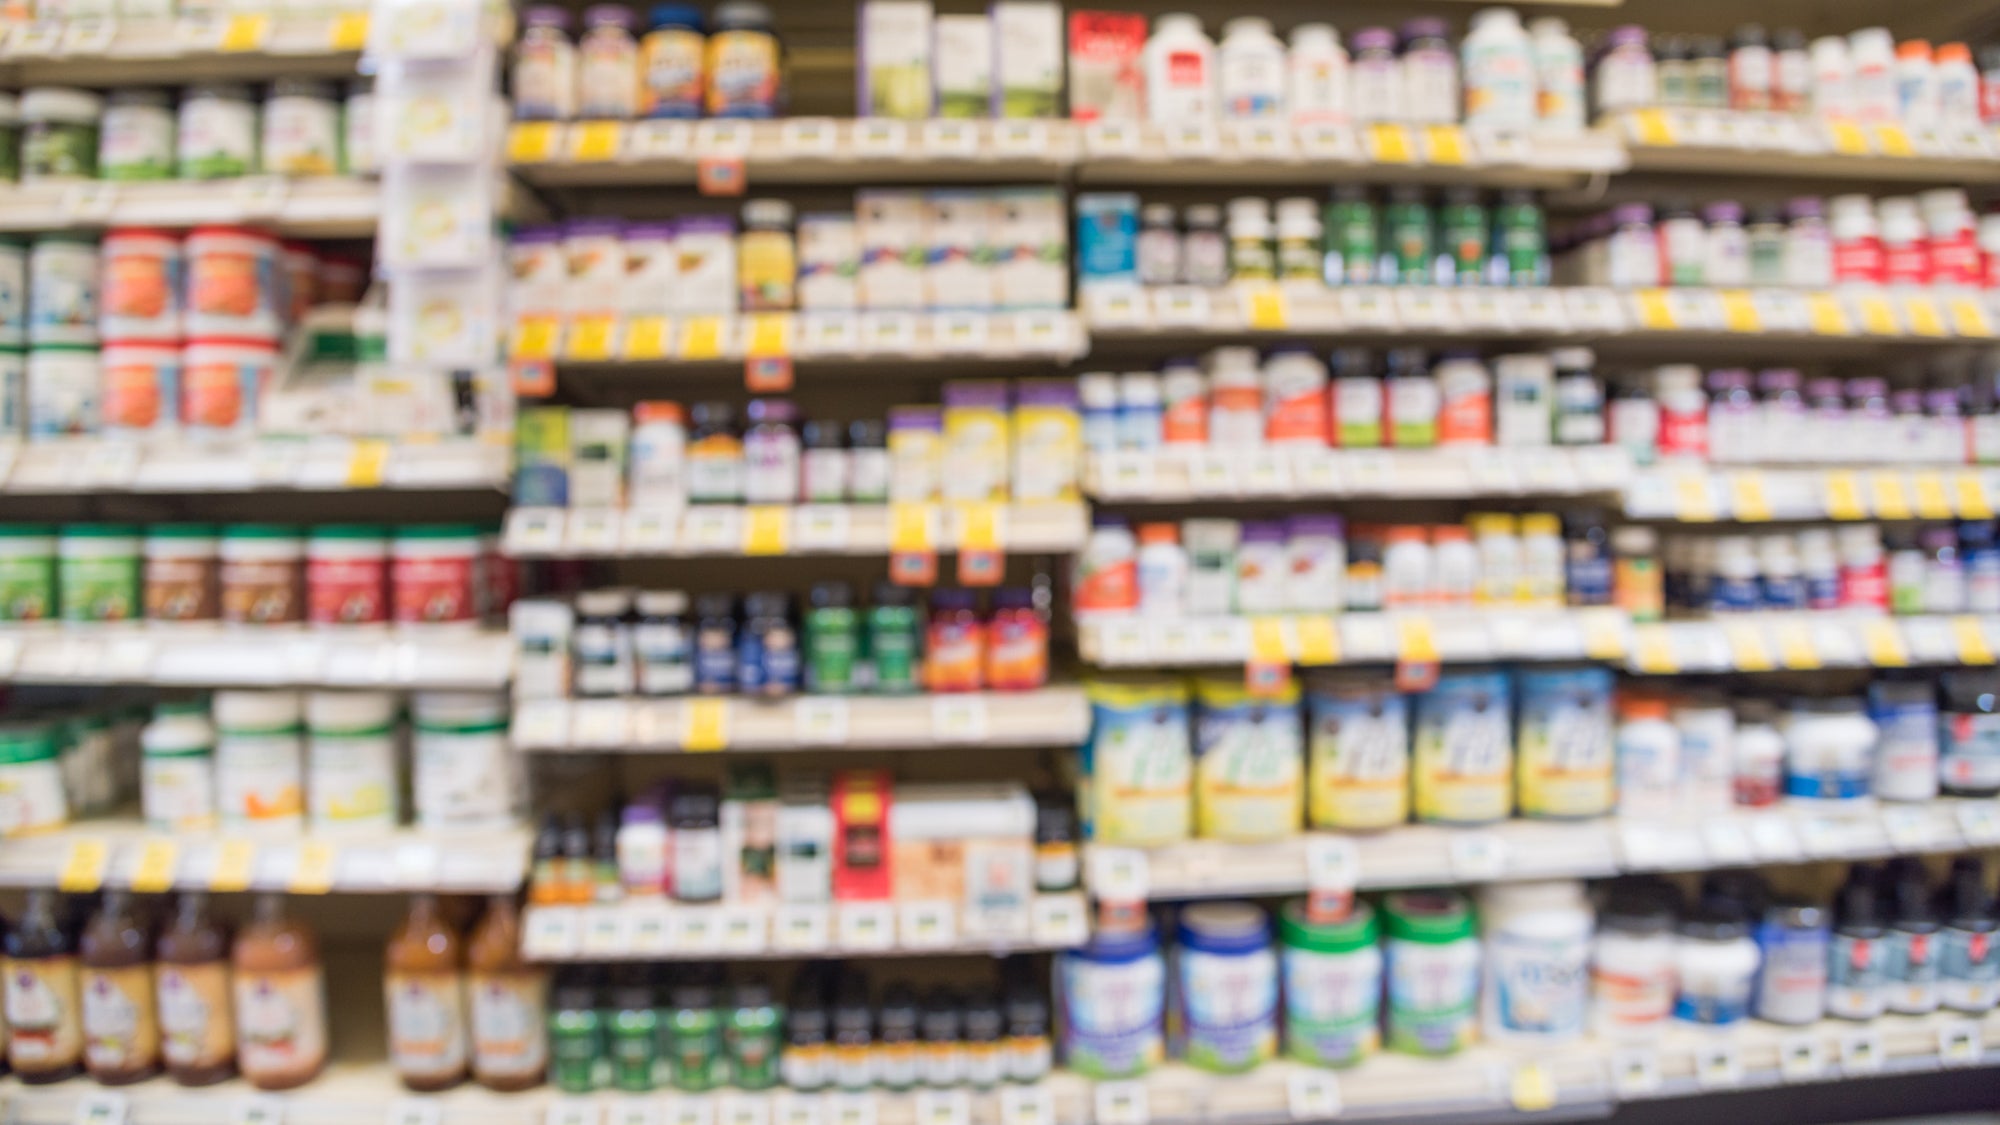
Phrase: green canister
(634, 1027)
(751, 1033)
(577, 1059)
(1408, 238)
(893, 647)
(1520, 239)
(97, 572)
(1462, 228)
(1332, 985)
(27, 571)
(1433, 959)
(832, 638)
(59, 134)
(1352, 242)
(694, 1038)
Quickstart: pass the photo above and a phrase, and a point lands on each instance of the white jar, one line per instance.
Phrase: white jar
(63, 286)
(1649, 759)
(1633, 962)
(1559, 99)
(1236, 405)
(63, 383)
(1317, 94)
(140, 294)
(1179, 62)
(1499, 72)
(1295, 398)
(1707, 730)
(357, 118)
(1906, 756)
(1163, 570)
(1760, 759)
(1537, 966)
(1251, 70)
(218, 132)
(232, 283)
(177, 769)
(462, 773)
(351, 776)
(259, 757)
(1716, 961)
(1260, 569)
(32, 779)
(302, 128)
(1828, 744)
(1107, 571)
(223, 384)
(1141, 411)
(136, 138)
(1407, 568)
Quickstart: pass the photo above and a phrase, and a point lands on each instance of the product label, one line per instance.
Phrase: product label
(1968, 969)
(1463, 755)
(1831, 781)
(1540, 986)
(1332, 1005)
(1247, 770)
(178, 792)
(261, 591)
(100, 589)
(1413, 412)
(229, 285)
(281, 1019)
(119, 1031)
(1565, 745)
(42, 1018)
(258, 777)
(742, 74)
(1855, 982)
(434, 590)
(27, 588)
(808, 1067)
(1969, 752)
(426, 1024)
(1910, 966)
(1359, 762)
(462, 778)
(670, 73)
(1229, 1008)
(347, 591)
(1713, 999)
(1432, 992)
(141, 287)
(195, 1024)
(136, 142)
(1864, 586)
(1112, 1015)
(181, 589)
(1631, 1002)
(218, 138)
(301, 136)
(1791, 987)
(352, 779)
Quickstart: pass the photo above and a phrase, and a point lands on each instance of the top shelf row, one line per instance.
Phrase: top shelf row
(244, 45)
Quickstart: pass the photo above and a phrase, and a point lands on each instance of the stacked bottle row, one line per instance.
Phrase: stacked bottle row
(1925, 568)
(1536, 964)
(62, 762)
(990, 440)
(1168, 760)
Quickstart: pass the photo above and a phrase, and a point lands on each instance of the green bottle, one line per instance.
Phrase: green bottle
(893, 648)
(1462, 235)
(576, 1039)
(1520, 239)
(1408, 237)
(694, 1038)
(1351, 244)
(635, 1039)
(833, 639)
(752, 1035)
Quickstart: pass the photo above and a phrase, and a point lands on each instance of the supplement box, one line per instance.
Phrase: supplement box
(805, 840)
(1106, 81)
(970, 844)
(891, 228)
(1027, 58)
(597, 441)
(541, 630)
(958, 227)
(1211, 551)
(894, 63)
(962, 66)
(1031, 249)
(829, 261)
(862, 843)
(1107, 239)
(541, 457)
(748, 821)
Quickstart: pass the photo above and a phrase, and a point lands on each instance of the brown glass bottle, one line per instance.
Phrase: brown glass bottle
(121, 1035)
(423, 982)
(45, 1040)
(280, 1000)
(509, 1003)
(197, 1028)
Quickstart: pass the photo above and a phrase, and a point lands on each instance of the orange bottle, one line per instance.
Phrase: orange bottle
(510, 1049)
(121, 1036)
(280, 1000)
(197, 1033)
(424, 985)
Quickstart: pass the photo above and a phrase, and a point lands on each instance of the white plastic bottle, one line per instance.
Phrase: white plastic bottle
(1957, 87)
(1180, 71)
(1873, 54)
(1832, 79)
(1537, 987)
(1251, 70)
(1558, 76)
(1163, 570)
(1318, 72)
(1499, 72)
(1916, 84)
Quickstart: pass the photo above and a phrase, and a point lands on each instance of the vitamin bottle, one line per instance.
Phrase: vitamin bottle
(1750, 70)
(1558, 61)
(1499, 72)
(280, 999)
(44, 1018)
(1317, 92)
(424, 986)
(507, 997)
(1250, 70)
(121, 1036)
(1430, 73)
(1179, 62)
(1377, 86)
(198, 1035)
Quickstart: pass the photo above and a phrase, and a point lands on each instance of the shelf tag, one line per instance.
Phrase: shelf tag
(1923, 316)
(766, 527)
(820, 720)
(1026, 1105)
(257, 1109)
(1478, 857)
(958, 718)
(1892, 140)
(911, 528)
(809, 136)
(594, 142)
(1531, 1089)
(878, 136)
(1739, 311)
(1694, 501)
(1861, 1052)
(1847, 138)
(1968, 317)
(646, 337)
(1444, 145)
(1970, 492)
(1656, 312)
(802, 927)
(1389, 144)
(944, 1107)
(573, 1111)
(367, 463)
(704, 725)
(1747, 651)
(349, 31)
(701, 338)
(235, 862)
(1635, 1071)
(789, 1108)
(1653, 128)
(83, 869)
(1319, 642)
(925, 924)
(744, 1109)
(1416, 641)
(1196, 138)
(691, 1109)
(1979, 821)
(1118, 875)
(1748, 499)
(1959, 1043)
(851, 1109)
(1971, 641)
(1265, 308)
(1333, 867)
(1801, 1058)
(314, 872)
(158, 861)
(101, 1107)
(1795, 647)
(821, 527)
(1878, 317)
(951, 138)
(416, 1111)
(1892, 501)
(1843, 497)
(1312, 1094)
(1884, 645)
(1718, 1066)
(89, 202)
(1020, 138)
(1120, 1103)
(1825, 316)
(245, 32)
(1111, 138)
(867, 925)
(1932, 502)
(629, 1110)
(1058, 920)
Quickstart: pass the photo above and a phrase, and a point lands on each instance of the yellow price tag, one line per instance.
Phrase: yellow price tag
(1694, 501)
(1267, 641)
(531, 142)
(1739, 311)
(314, 874)
(1932, 501)
(1656, 313)
(1843, 497)
(1892, 140)
(1972, 646)
(1653, 651)
(590, 338)
(535, 337)
(770, 335)
(235, 863)
(1319, 643)
(1268, 311)
(1968, 317)
(1654, 128)
(1847, 138)
(646, 337)
(1878, 317)
(1795, 647)
(1390, 144)
(368, 463)
(701, 338)
(1884, 645)
(1746, 647)
(1444, 144)
(594, 142)
(910, 529)
(158, 861)
(1971, 493)
(1924, 317)
(979, 526)
(350, 31)
(766, 529)
(1892, 502)
(704, 725)
(1416, 642)
(246, 31)
(1603, 634)
(1747, 498)
(1825, 316)
(83, 869)
(1532, 1090)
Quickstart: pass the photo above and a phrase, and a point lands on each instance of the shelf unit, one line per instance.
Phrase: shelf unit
(734, 531)
(234, 46)
(320, 464)
(318, 207)
(1197, 473)
(1806, 641)
(717, 343)
(1702, 493)
(1312, 640)
(427, 658)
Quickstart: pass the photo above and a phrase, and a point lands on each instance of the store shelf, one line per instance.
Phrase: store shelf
(1806, 641)
(716, 343)
(1783, 146)
(1177, 474)
(124, 853)
(439, 657)
(660, 930)
(1690, 1061)
(92, 465)
(1051, 716)
(1703, 493)
(729, 531)
(237, 47)
(320, 207)
(1171, 314)
(1422, 855)
(1138, 641)
(1270, 154)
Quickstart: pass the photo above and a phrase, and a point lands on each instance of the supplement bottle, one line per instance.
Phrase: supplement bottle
(121, 1036)
(1537, 964)
(1500, 73)
(1828, 746)
(1911, 948)
(1558, 59)
(1250, 70)
(1968, 947)
(1430, 73)
(1433, 959)
(1332, 985)
(44, 1012)
(280, 1000)
(1317, 91)
(1793, 939)
(506, 997)
(197, 1030)
(1111, 993)
(1716, 963)
(1633, 962)
(1969, 734)
(424, 988)
(1179, 62)
(1228, 986)
(744, 66)
(1856, 985)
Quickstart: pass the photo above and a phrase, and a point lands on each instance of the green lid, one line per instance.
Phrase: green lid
(180, 531)
(26, 530)
(20, 745)
(78, 348)
(350, 531)
(1434, 917)
(261, 531)
(167, 707)
(467, 726)
(1354, 932)
(438, 531)
(100, 531)
(13, 349)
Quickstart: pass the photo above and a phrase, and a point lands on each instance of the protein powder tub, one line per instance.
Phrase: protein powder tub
(302, 128)
(223, 381)
(32, 777)
(259, 757)
(1112, 992)
(27, 571)
(62, 392)
(351, 779)
(218, 132)
(177, 768)
(137, 138)
(182, 579)
(1228, 986)
(347, 574)
(97, 572)
(140, 295)
(1716, 962)
(432, 574)
(232, 285)
(462, 772)
(1537, 961)
(59, 134)
(1332, 985)
(263, 574)
(1633, 962)
(63, 287)
(1433, 966)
